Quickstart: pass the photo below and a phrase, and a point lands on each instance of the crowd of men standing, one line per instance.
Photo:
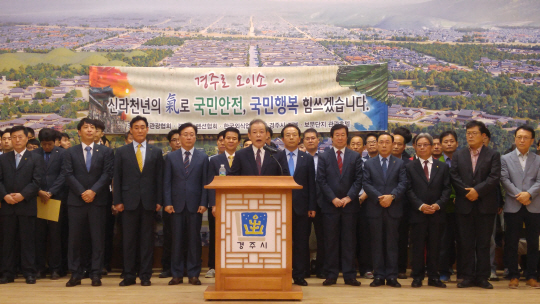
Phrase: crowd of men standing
(368, 212)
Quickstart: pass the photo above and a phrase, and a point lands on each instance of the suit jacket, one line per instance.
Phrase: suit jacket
(53, 180)
(333, 184)
(421, 191)
(213, 170)
(25, 179)
(79, 179)
(132, 186)
(516, 180)
(244, 164)
(484, 180)
(183, 190)
(375, 185)
(304, 199)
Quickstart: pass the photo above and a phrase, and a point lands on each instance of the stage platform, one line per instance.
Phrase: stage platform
(48, 291)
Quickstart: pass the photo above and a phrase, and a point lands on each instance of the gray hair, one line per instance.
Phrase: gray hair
(426, 136)
(257, 120)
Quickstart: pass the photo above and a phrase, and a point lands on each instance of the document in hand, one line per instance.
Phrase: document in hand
(48, 211)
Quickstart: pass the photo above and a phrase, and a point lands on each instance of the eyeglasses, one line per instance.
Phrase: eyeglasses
(474, 133)
(525, 138)
(423, 146)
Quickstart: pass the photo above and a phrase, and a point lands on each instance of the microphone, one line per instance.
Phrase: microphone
(273, 150)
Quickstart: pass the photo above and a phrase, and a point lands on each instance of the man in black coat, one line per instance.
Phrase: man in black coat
(138, 194)
(475, 175)
(339, 174)
(52, 186)
(88, 169)
(429, 191)
(20, 176)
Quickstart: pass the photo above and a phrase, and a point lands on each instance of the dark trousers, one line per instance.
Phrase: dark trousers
(300, 250)
(64, 235)
(167, 240)
(475, 233)
(212, 241)
(403, 244)
(88, 217)
(340, 242)
(514, 224)
(384, 246)
(110, 219)
(427, 236)
(450, 248)
(138, 228)
(318, 225)
(363, 250)
(183, 222)
(49, 245)
(22, 228)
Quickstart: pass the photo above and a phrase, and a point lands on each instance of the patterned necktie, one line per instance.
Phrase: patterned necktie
(339, 161)
(231, 157)
(186, 161)
(47, 157)
(384, 167)
(426, 171)
(88, 158)
(258, 160)
(17, 159)
(139, 156)
(291, 163)
(474, 159)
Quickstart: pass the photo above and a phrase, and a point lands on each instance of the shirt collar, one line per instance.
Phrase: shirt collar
(22, 152)
(227, 154)
(477, 150)
(85, 145)
(522, 155)
(143, 144)
(190, 151)
(255, 149)
(342, 150)
(295, 151)
(381, 158)
(446, 157)
(430, 160)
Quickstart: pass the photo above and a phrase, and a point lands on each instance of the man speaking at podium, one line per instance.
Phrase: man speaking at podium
(259, 159)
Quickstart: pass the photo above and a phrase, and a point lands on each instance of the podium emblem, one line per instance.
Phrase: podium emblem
(254, 224)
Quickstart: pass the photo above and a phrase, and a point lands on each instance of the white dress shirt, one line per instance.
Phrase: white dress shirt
(190, 155)
(255, 152)
(84, 151)
(143, 149)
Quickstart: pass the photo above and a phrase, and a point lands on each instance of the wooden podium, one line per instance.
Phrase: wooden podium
(253, 238)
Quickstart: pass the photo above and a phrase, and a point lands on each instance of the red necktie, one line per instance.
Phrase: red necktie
(426, 171)
(258, 160)
(339, 161)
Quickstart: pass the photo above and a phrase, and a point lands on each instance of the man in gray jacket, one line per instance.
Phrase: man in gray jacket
(520, 176)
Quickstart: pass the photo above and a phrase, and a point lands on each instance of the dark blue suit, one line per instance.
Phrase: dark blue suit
(185, 192)
(385, 263)
(244, 164)
(340, 223)
(303, 200)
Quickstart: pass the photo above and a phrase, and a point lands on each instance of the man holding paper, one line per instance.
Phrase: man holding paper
(20, 177)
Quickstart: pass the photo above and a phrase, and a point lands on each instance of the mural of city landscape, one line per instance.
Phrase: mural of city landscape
(450, 61)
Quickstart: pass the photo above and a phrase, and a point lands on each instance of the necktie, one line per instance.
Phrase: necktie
(139, 156)
(449, 162)
(47, 157)
(17, 159)
(258, 160)
(186, 161)
(88, 158)
(474, 159)
(384, 167)
(426, 171)
(339, 161)
(291, 163)
(231, 157)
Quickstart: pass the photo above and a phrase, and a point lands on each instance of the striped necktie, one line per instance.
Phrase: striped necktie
(186, 161)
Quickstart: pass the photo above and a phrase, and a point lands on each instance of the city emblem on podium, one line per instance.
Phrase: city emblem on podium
(254, 224)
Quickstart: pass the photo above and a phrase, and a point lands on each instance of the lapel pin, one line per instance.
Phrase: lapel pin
(25, 158)
(97, 150)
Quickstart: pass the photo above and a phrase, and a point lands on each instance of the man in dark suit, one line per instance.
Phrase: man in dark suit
(88, 169)
(186, 199)
(475, 175)
(428, 192)
(230, 140)
(302, 169)
(339, 174)
(385, 182)
(52, 187)
(138, 193)
(174, 142)
(20, 176)
(255, 160)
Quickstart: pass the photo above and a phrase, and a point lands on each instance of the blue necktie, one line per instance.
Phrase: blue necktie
(88, 158)
(384, 167)
(291, 163)
(17, 159)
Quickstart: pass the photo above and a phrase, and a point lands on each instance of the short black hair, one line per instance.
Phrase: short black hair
(246, 140)
(386, 133)
(269, 130)
(187, 125)
(1, 133)
(231, 129)
(58, 135)
(361, 137)
(86, 120)
(449, 132)
(221, 134)
(47, 134)
(33, 141)
(526, 128)
(311, 130)
(290, 125)
(126, 135)
(170, 135)
(403, 132)
(475, 123)
(20, 128)
(134, 120)
(371, 134)
(65, 135)
(488, 133)
(436, 136)
(31, 131)
(339, 127)
(8, 130)
(99, 124)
